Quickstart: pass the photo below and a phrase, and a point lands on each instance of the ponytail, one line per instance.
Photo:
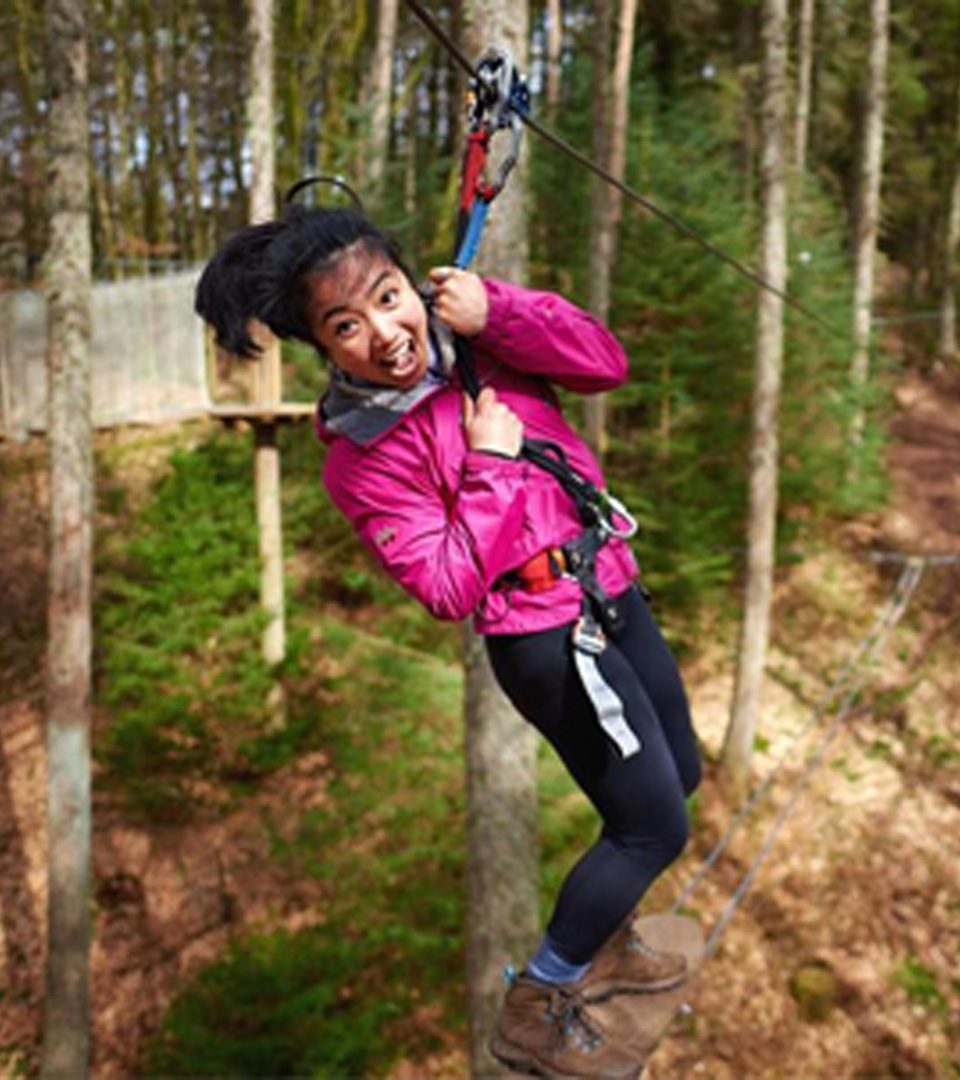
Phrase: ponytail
(263, 272)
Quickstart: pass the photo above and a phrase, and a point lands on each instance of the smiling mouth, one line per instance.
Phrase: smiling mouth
(401, 362)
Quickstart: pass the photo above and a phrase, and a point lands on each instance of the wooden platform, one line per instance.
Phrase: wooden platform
(282, 412)
(640, 1021)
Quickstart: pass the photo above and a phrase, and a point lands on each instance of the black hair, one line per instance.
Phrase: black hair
(263, 271)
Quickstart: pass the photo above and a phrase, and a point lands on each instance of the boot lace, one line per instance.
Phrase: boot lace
(635, 943)
(573, 1023)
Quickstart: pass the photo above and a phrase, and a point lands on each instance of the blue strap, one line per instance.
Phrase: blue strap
(471, 238)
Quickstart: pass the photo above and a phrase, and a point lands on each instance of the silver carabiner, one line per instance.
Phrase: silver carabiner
(493, 85)
(614, 507)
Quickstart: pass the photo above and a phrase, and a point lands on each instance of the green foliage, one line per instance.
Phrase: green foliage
(178, 664)
(387, 847)
(179, 672)
(681, 428)
(277, 1005)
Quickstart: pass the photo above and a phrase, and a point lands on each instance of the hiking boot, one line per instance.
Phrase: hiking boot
(547, 1030)
(627, 965)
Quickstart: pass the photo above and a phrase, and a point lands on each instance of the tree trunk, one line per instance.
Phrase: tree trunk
(31, 155)
(296, 75)
(951, 242)
(554, 50)
(801, 135)
(155, 216)
(738, 745)
(382, 85)
(66, 1026)
(267, 464)
(610, 125)
(868, 218)
(601, 226)
(501, 749)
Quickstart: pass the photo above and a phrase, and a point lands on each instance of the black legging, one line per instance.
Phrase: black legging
(640, 798)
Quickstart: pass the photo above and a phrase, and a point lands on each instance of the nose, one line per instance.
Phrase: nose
(382, 327)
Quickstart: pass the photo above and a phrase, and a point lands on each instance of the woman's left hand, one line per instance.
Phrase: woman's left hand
(460, 300)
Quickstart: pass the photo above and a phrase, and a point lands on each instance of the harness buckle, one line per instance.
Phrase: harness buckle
(588, 637)
(613, 507)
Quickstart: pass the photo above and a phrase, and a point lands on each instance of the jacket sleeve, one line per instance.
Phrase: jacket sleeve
(540, 333)
(446, 556)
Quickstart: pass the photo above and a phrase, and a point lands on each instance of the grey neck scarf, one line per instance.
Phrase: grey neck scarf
(363, 410)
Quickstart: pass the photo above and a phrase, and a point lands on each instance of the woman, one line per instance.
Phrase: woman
(438, 487)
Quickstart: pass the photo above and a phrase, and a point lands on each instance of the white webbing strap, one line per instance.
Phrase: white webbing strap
(588, 643)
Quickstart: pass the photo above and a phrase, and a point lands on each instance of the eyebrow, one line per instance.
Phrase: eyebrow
(373, 288)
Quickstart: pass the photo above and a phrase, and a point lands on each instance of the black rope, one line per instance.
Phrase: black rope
(671, 219)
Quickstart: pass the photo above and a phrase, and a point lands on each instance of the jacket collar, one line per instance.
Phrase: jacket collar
(365, 411)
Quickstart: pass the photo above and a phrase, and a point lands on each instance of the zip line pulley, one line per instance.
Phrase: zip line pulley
(498, 99)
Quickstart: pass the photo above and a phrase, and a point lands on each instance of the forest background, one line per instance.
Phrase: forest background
(328, 941)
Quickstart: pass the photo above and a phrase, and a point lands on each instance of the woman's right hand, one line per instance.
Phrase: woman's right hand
(490, 425)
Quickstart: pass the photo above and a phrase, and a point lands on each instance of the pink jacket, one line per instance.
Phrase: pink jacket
(446, 521)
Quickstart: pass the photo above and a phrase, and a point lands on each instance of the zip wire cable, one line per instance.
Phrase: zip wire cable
(631, 193)
(906, 586)
(883, 621)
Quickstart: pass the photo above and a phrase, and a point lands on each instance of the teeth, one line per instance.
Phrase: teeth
(400, 354)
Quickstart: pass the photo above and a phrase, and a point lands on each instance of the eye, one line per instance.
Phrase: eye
(345, 327)
(390, 295)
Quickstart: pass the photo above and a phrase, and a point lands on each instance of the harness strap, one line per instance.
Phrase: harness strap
(589, 642)
(581, 559)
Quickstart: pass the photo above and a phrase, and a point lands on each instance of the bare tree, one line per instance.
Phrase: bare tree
(501, 749)
(601, 232)
(738, 744)
(260, 114)
(801, 134)
(554, 48)
(611, 119)
(382, 84)
(66, 1028)
(951, 244)
(868, 218)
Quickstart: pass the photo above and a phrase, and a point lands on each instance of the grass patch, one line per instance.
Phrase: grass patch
(277, 1005)
(342, 999)
(180, 680)
(920, 984)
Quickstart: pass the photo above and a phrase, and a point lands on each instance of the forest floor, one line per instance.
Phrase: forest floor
(863, 882)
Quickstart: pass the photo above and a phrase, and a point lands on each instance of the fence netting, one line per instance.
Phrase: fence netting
(148, 361)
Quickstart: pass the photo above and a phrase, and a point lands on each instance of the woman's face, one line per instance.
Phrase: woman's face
(369, 320)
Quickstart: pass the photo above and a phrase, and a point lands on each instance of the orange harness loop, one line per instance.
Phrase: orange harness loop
(542, 571)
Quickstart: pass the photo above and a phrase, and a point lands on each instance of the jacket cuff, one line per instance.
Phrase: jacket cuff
(481, 461)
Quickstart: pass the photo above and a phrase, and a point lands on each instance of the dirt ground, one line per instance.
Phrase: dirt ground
(862, 883)
(864, 879)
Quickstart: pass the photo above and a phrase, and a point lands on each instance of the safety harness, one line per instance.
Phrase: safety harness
(497, 99)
